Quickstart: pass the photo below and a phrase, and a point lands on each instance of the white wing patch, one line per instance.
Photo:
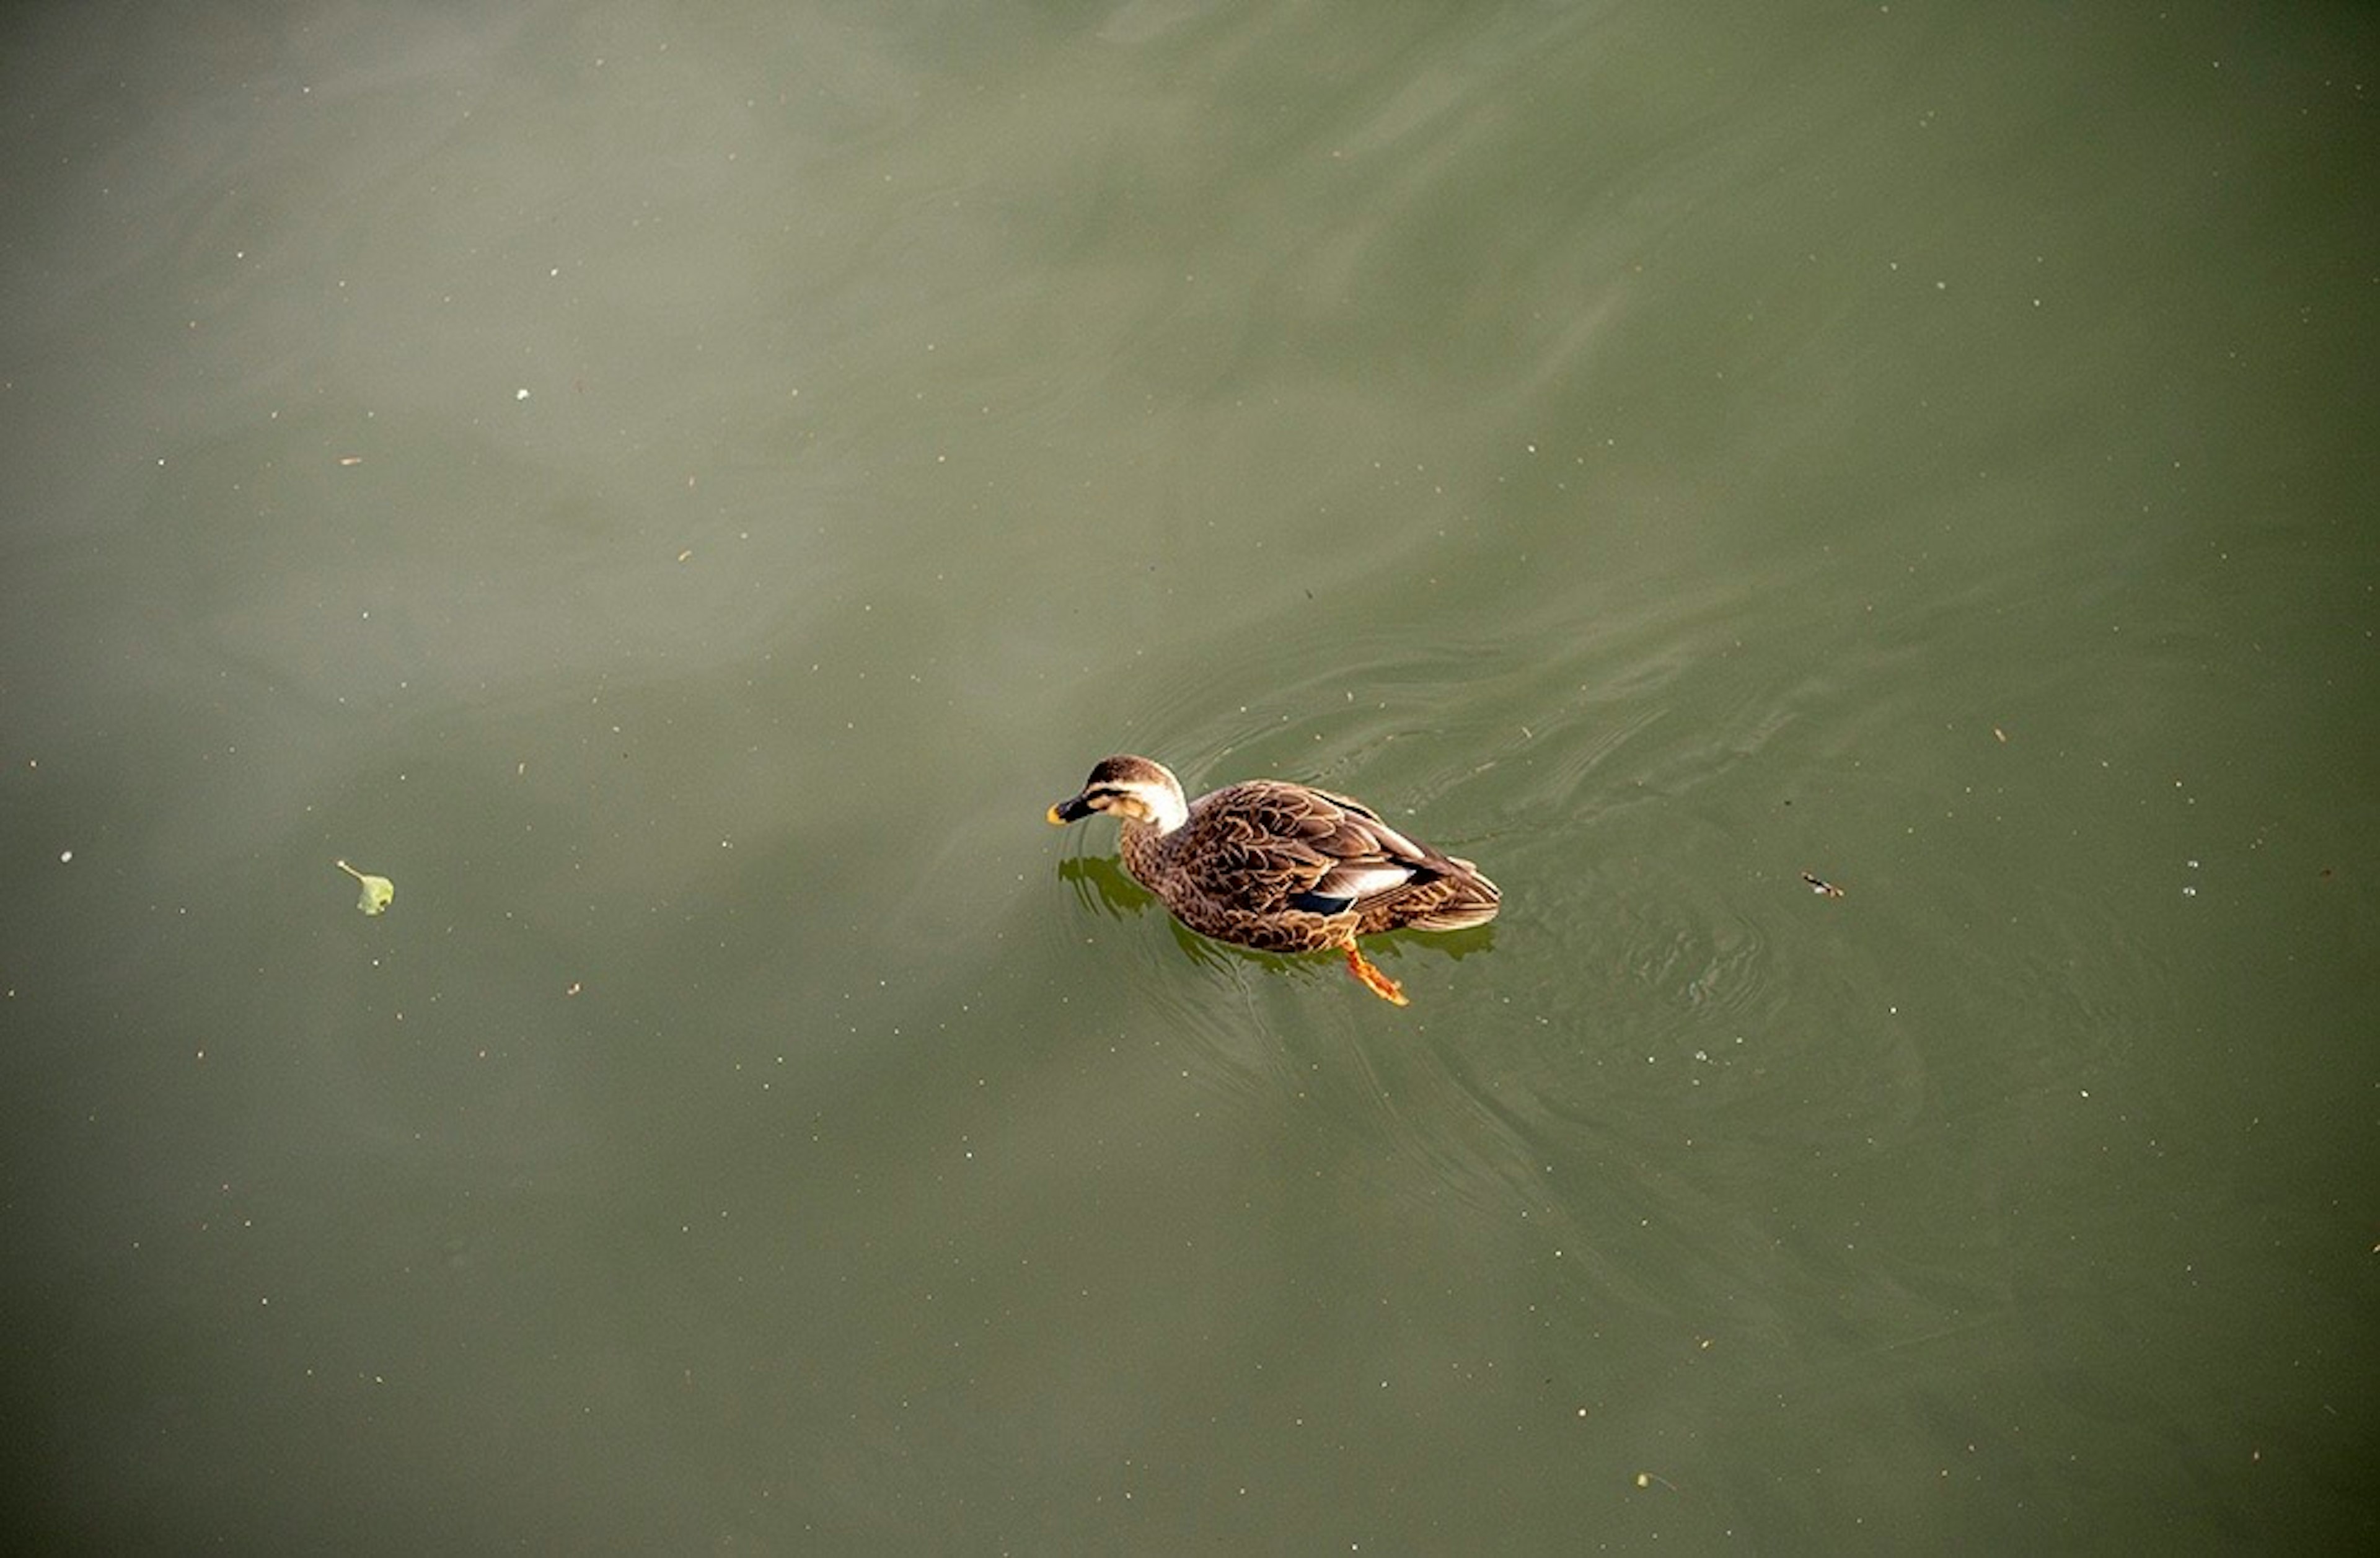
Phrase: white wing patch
(1361, 880)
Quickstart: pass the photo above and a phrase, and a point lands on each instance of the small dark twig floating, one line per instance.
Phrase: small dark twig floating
(1280, 867)
(1824, 889)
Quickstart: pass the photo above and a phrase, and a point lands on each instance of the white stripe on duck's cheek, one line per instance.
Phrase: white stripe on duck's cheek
(1159, 806)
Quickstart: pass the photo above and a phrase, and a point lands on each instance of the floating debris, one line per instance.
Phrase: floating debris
(1823, 889)
(378, 891)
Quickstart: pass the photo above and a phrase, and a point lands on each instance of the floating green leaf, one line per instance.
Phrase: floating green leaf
(378, 890)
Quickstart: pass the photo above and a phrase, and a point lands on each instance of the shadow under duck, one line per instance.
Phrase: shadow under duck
(1281, 867)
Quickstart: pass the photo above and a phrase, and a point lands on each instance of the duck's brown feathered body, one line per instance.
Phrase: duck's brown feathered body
(1281, 867)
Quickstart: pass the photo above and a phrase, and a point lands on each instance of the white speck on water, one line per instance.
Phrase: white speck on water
(64, 855)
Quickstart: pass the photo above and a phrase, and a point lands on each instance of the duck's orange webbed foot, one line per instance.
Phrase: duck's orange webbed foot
(1373, 981)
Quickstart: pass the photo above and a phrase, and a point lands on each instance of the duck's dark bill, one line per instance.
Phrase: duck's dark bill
(1072, 810)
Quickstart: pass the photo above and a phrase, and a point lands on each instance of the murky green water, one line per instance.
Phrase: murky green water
(680, 493)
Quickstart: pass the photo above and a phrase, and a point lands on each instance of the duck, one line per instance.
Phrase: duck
(1280, 867)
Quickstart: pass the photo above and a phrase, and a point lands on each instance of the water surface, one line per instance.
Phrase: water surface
(680, 495)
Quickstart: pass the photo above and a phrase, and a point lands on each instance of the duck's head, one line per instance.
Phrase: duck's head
(1128, 788)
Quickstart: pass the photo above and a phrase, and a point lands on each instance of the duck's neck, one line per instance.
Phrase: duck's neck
(1167, 811)
(1140, 844)
(1142, 841)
